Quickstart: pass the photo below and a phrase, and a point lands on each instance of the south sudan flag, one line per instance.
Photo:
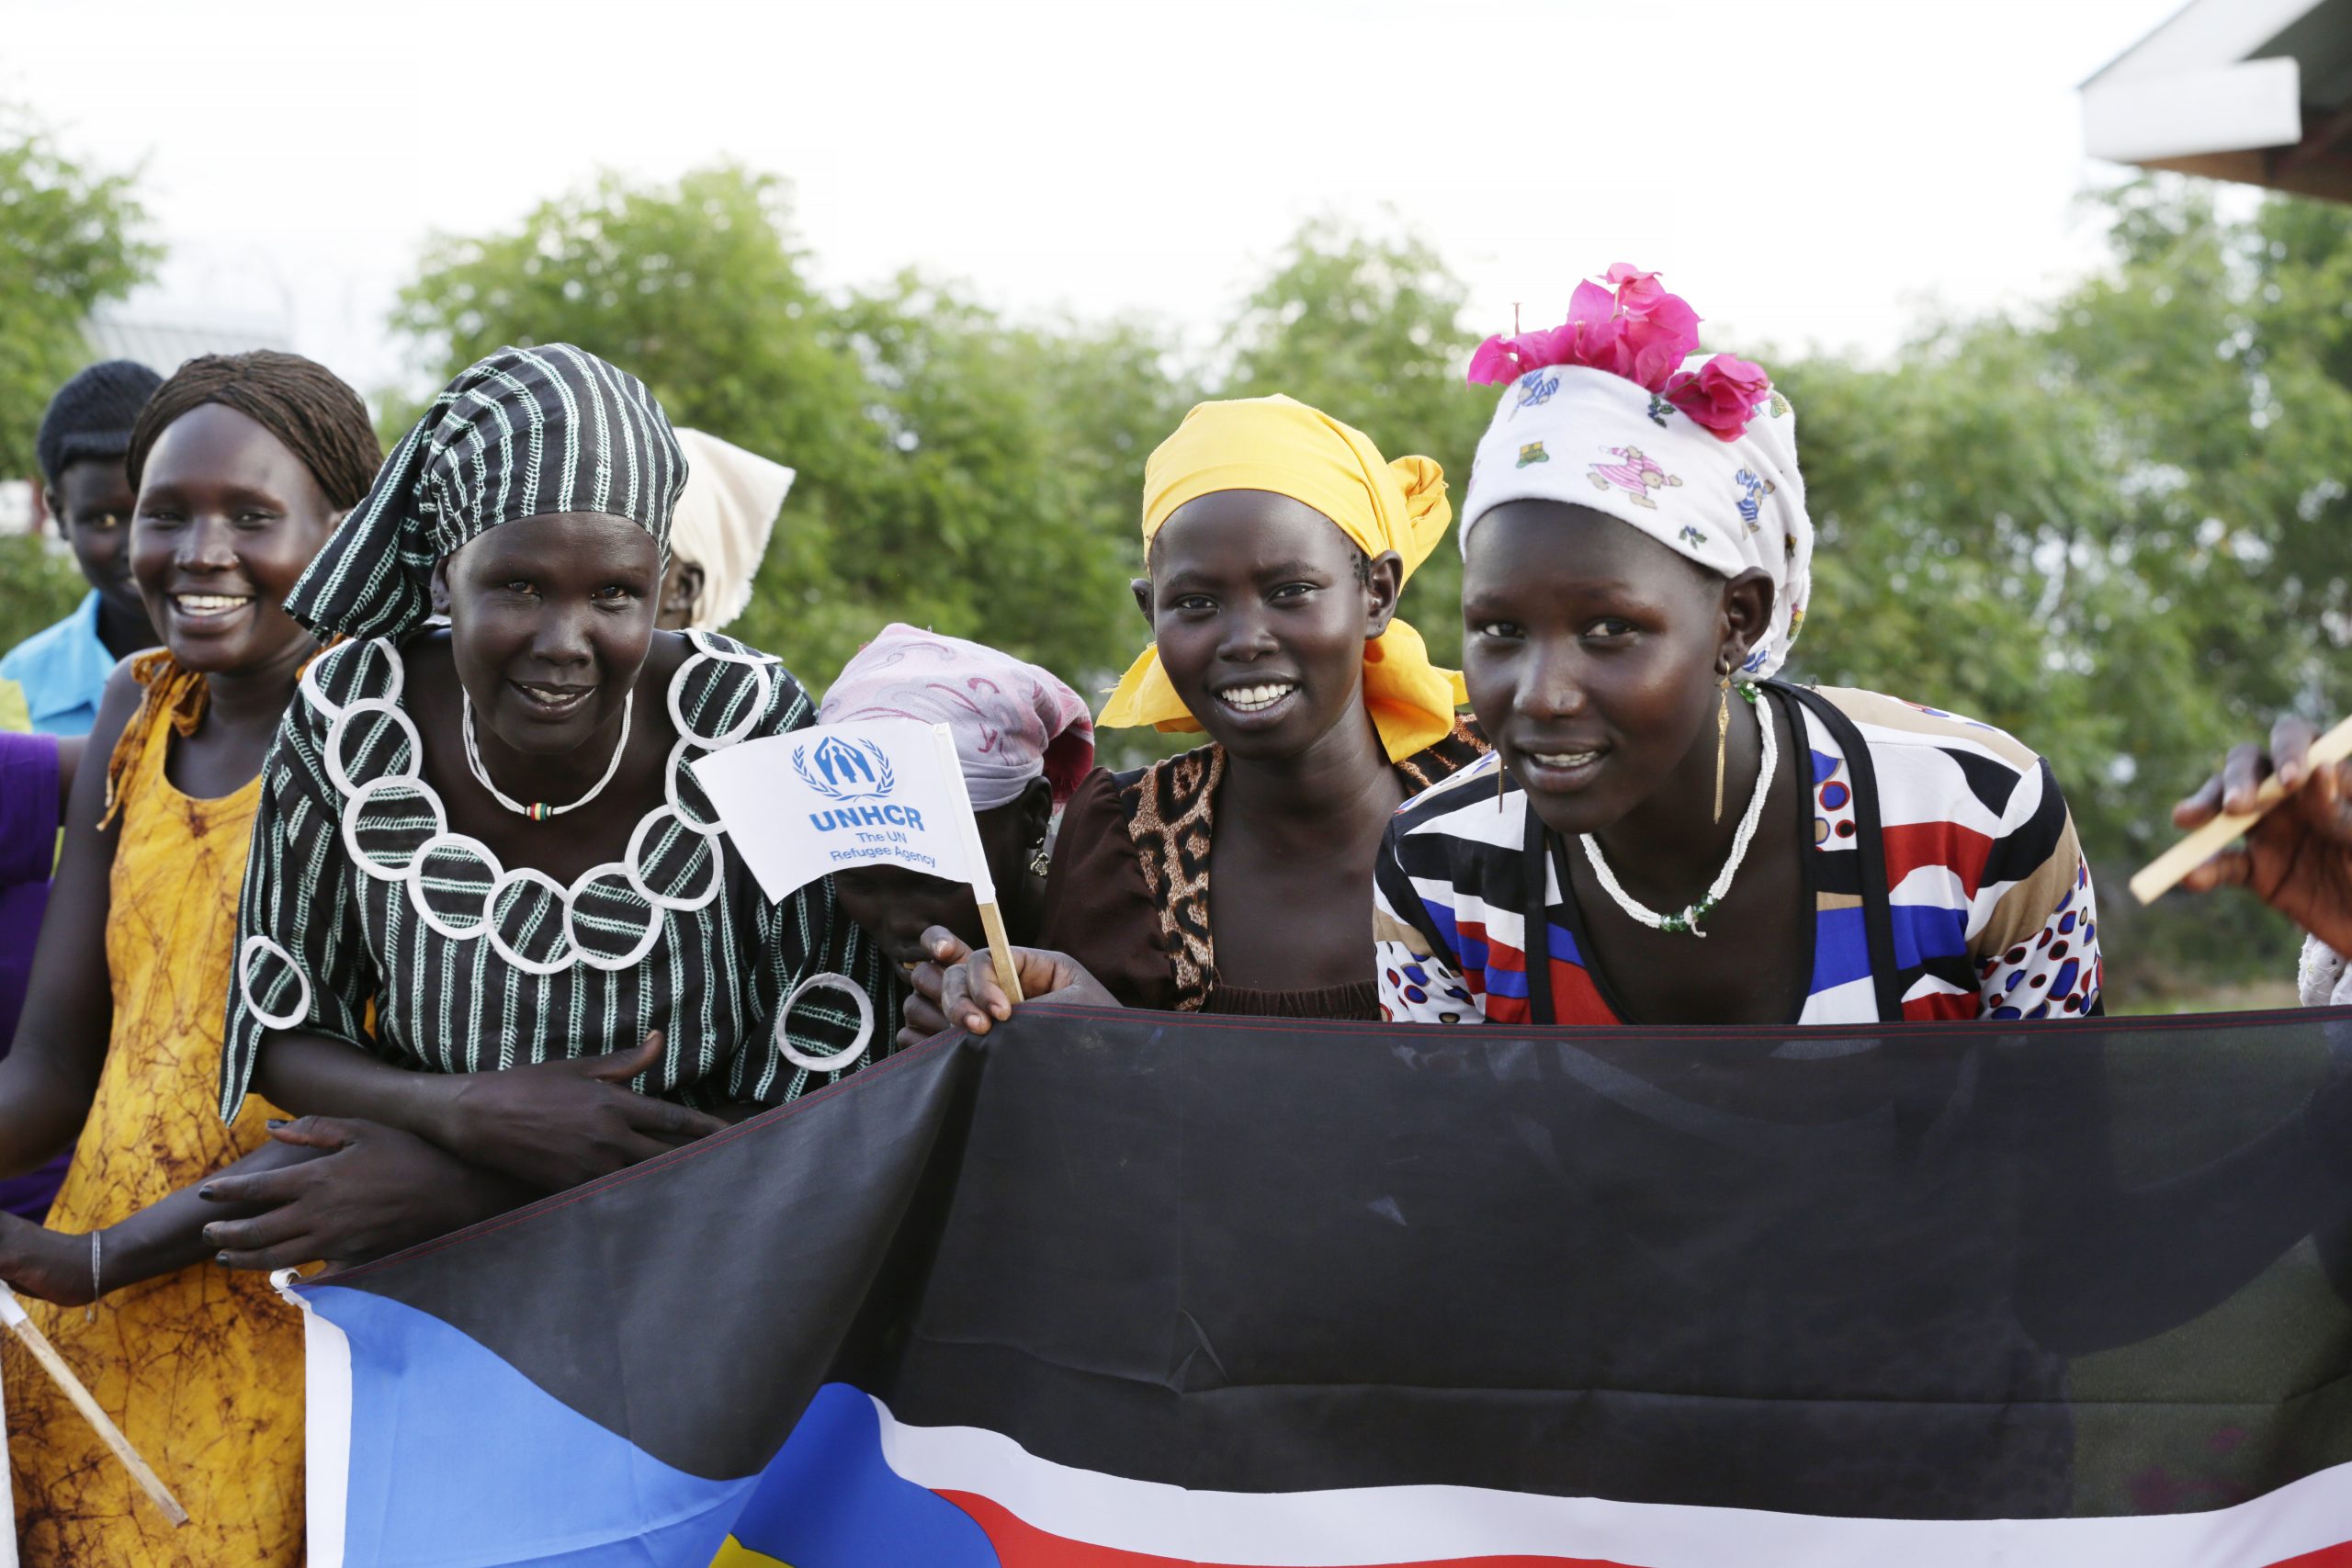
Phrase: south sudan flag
(1116, 1290)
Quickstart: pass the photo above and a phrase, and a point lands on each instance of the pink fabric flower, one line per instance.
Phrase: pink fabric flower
(1629, 326)
(1721, 395)
(1636, 290)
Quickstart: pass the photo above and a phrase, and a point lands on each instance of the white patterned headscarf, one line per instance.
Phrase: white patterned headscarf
(1707, 467)
(724, 517)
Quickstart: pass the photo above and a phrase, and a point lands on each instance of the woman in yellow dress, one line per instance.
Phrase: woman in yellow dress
(243, 464)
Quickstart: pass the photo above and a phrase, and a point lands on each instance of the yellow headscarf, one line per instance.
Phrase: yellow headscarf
(1280, 445)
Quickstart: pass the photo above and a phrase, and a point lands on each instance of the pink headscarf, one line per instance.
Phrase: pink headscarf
(1012, 720)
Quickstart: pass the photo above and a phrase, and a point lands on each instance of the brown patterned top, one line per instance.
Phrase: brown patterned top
(1129, 893)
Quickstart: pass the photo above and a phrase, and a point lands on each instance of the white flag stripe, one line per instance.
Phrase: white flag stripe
(326, 1428)
(1357, 1529)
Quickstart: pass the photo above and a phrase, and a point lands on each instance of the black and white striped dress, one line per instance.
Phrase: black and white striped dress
(364, 919)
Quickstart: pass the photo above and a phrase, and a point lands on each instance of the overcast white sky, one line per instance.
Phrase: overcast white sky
(1804, 171)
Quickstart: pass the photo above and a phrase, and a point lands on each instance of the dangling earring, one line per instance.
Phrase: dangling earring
(1040, 863)
(1502, 779)
(1723, 734)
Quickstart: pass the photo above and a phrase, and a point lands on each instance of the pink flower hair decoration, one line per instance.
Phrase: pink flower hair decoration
(1628, 325)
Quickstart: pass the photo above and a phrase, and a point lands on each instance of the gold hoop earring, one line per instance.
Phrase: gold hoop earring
(1723, 738)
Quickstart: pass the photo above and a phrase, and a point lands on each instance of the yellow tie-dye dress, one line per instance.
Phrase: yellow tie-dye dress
(202, 1369)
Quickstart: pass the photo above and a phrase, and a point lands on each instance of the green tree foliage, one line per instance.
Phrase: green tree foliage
(73, 242)
(2114, 526)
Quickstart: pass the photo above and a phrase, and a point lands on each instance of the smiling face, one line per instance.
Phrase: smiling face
(1592, 653)
(92, 502)
(226, 520)
(551, 619)
(1260, 608)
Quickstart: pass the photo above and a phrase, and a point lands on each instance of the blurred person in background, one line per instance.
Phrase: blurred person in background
(725, 516)
(63, 668)
(1024, 740)
(243, 463)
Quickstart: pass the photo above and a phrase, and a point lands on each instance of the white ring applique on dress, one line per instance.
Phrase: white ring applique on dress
(642, 944)
(848, 1053)
(357, 655)
(684, 903)
(294, 1015)
(331, 752)
(521, 876)
(354, 809)
(465, 861)
(751, 712)
(441, 843)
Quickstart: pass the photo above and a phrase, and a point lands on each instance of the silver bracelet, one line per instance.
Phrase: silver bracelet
(90, 1313)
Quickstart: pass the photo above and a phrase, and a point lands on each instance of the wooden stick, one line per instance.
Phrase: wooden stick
(12, 1313)
(2162, 873)
(1000, 950)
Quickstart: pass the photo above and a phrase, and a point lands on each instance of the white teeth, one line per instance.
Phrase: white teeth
(211, 604)
(1562, 759)
(1254, 699)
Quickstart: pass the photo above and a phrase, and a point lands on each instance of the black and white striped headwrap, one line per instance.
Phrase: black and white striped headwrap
(522, 433)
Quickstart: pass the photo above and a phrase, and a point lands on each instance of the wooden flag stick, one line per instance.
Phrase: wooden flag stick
(1000, 950)
(975, 863)
(2162, 873)
(12, 1313)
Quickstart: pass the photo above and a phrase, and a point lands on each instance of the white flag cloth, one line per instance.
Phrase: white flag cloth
(881, 791)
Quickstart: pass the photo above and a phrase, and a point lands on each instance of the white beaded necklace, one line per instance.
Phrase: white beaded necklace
(1688, 920)
(539, 811)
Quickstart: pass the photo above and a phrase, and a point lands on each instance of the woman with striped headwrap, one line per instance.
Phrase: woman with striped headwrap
(491, 917)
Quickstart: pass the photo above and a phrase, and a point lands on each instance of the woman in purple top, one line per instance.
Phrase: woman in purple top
(35, 772)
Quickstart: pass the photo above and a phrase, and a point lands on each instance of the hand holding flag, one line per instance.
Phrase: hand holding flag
(957, 988)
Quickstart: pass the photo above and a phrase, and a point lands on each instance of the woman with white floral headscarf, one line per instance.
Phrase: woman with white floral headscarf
(1665, 833)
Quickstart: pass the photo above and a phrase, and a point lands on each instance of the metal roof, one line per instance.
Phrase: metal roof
(2257, 91)
(163, 345)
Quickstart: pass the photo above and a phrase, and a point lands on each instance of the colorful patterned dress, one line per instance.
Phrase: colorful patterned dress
(1946, 881)
(202, 1369)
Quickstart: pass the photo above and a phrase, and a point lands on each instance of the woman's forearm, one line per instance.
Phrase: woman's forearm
(42, 1106)
(309, 1074)
(168, 1235)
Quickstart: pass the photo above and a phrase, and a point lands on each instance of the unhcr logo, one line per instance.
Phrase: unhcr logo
(843, 770)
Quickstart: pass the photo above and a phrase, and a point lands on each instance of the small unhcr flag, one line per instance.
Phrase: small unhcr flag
(887, 792)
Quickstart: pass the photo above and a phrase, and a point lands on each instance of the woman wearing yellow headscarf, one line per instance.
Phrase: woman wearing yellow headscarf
(1230, 879)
